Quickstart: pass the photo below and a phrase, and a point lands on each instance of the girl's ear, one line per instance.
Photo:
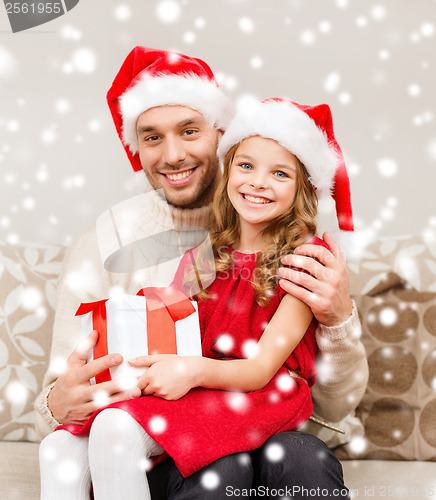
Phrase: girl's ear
(220, 133)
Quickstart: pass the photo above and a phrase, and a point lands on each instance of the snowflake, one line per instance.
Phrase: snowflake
(101, 398)
(71, 33)
(127, 382)
(122, 12)
(158, 424)
(200, 23)
(332, 82)
(62, 106)
(48, 135)
(324, 27)
(378, 12)
(358, 444)
(76, 181)
(145, 464)
(189, 37)
(256, 62)
(397, 433)
(68, 471)
(94, 125)
(246, 25)
(274, 452)
(225, 343)
(285, 383)
(307, 37)
(210, 480)
(351, 398)
(28, 203)
(168, 11)
(387, 167)
(237, 401)
(384, 54)
(414, 90)
(58, 365)
(325, 371)
(362, 21)
(49, 453)
(387, 352)
(228, 82)
(84, 60)
(432, 150)
(244, 459)
(13, 126)
(427, 29)
(16, 393)
(342, 3)
(8, 65)
(344, 97)
(31, 298)
(5, 221)
(250, 348)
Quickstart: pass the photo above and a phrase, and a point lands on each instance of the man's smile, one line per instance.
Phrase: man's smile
(179, 178)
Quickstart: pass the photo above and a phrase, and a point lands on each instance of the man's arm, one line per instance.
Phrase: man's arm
(67, 396)
(342, 364)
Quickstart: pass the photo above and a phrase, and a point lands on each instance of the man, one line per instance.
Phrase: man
(169, 111)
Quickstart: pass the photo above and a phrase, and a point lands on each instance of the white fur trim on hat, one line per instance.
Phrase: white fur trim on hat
(189, 90)
(294, 130)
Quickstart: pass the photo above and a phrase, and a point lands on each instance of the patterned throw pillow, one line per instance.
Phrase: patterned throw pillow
(395, 292)
(28, 279)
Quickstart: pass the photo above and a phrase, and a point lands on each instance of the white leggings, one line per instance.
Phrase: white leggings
(114, 457)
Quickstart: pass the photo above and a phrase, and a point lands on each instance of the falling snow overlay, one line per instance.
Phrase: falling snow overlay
(372, 62)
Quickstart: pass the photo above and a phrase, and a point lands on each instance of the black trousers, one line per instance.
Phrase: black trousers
(290, 465)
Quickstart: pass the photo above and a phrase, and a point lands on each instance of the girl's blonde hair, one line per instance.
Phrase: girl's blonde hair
(289, 230)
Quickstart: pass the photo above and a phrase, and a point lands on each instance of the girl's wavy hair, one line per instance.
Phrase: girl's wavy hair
(289, 230)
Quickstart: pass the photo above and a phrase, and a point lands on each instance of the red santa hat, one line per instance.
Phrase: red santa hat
(305, 131)
(149, 78)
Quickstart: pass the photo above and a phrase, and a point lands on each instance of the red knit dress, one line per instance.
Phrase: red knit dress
(207, 424)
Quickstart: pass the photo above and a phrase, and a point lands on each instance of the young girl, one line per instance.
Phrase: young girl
(258, 343)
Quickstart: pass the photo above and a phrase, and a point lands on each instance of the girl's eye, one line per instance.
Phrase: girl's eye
(280, 174)
(245, 166)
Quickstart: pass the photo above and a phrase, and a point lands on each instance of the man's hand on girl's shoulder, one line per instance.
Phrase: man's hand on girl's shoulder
(319, 277)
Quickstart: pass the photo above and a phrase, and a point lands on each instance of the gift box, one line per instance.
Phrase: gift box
(155, 321)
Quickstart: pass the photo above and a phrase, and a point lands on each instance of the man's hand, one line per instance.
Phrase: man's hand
(73, 399)
(169, 376)
(326, 289)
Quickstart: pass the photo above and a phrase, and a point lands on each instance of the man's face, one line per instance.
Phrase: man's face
(177, 149)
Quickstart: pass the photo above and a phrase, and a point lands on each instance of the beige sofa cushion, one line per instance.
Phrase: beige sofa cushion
(28, 278)
(19, 471)
(398, 315)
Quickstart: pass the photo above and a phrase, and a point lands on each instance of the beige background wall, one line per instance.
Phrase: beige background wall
(374, 62)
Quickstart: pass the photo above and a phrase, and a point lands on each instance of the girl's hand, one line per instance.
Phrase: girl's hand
(169, 376)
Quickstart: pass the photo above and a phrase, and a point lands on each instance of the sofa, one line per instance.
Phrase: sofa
(394, 286)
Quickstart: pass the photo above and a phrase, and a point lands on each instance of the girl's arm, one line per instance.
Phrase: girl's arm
(171, 376)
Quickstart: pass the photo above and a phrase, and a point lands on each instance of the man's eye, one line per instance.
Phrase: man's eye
(151, 138)
(189, 132)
